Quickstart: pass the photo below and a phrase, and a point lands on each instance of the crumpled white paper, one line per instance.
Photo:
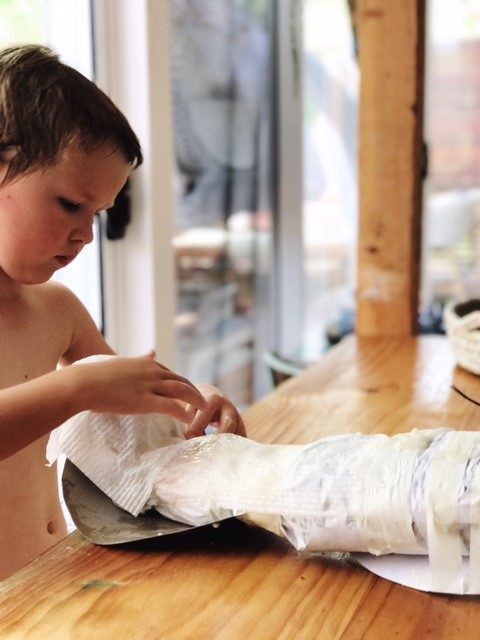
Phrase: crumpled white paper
(414, 493)
(119, 453)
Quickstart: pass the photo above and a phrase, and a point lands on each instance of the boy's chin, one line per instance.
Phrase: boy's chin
(36, 278)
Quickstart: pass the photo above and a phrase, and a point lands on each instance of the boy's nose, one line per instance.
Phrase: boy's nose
(84, 232)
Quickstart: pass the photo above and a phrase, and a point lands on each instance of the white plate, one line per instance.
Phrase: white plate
(409, 571)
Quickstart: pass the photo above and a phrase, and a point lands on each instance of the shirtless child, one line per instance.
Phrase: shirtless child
(65, 153)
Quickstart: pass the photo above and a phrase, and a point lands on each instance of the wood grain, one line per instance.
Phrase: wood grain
(240, 582)
(391, 52)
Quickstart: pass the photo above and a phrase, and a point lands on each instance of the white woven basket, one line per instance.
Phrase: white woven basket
(462, 324)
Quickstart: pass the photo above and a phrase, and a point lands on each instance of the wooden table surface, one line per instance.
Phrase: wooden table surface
(239, 582)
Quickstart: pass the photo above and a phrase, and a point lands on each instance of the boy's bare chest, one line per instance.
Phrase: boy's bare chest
(31, 341)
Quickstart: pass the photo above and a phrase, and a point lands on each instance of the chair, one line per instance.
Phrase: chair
(281, 369)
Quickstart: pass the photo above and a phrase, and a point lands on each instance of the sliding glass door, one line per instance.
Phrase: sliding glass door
(265, 109)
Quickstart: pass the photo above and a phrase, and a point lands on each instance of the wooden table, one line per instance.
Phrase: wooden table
(239, 582)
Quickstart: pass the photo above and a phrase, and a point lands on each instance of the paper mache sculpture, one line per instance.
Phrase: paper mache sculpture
(413, 494)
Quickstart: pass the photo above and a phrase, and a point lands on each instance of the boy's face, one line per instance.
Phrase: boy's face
(46, 216)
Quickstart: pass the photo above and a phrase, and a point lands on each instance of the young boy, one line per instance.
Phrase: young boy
(65, 153)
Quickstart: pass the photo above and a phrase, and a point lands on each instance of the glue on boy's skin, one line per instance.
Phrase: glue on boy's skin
(46, 217)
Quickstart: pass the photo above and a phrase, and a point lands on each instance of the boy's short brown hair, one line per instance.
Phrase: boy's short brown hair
(46, 104)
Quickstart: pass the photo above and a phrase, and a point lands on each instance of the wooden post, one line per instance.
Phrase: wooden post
(391, 49)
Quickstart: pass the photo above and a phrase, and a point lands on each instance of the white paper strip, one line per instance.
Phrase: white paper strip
(444, 479)
(474, 567)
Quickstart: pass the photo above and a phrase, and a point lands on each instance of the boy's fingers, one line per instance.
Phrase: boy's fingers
(176, 409)
(190, 412)
(231, 423)
(178, 390)
(198, 425)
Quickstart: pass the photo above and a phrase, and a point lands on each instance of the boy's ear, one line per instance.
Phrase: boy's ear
(8, 153)
(6, 156)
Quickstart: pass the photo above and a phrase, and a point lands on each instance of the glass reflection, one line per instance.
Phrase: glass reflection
(221, 87)
(451, 235)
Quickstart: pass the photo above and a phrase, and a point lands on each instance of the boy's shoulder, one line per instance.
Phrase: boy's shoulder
(55, 290)
(53, 287)
(66, 320)
(58, 298)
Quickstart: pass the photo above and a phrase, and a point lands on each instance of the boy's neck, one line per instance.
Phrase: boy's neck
(9, 290)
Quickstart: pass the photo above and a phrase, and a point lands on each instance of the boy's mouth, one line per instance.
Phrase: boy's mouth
(64, 260)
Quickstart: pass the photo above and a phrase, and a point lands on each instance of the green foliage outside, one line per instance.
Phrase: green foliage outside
(21, 21)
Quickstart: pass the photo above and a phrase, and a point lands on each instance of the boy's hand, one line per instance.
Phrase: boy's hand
(219, 412)
(135, 386)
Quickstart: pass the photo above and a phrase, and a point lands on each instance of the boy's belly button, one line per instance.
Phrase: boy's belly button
(52, 526)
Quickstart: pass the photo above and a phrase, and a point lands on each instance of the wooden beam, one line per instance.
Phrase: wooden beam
(391, 50)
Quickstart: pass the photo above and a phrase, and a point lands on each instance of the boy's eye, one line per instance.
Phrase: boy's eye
(68, 205)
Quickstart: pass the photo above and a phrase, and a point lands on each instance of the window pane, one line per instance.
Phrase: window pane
(452, 196)
(330, 104)
(221, 90)
(21, 21)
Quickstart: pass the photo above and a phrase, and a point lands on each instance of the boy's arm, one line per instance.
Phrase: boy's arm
(137, 385)
(120, 385)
